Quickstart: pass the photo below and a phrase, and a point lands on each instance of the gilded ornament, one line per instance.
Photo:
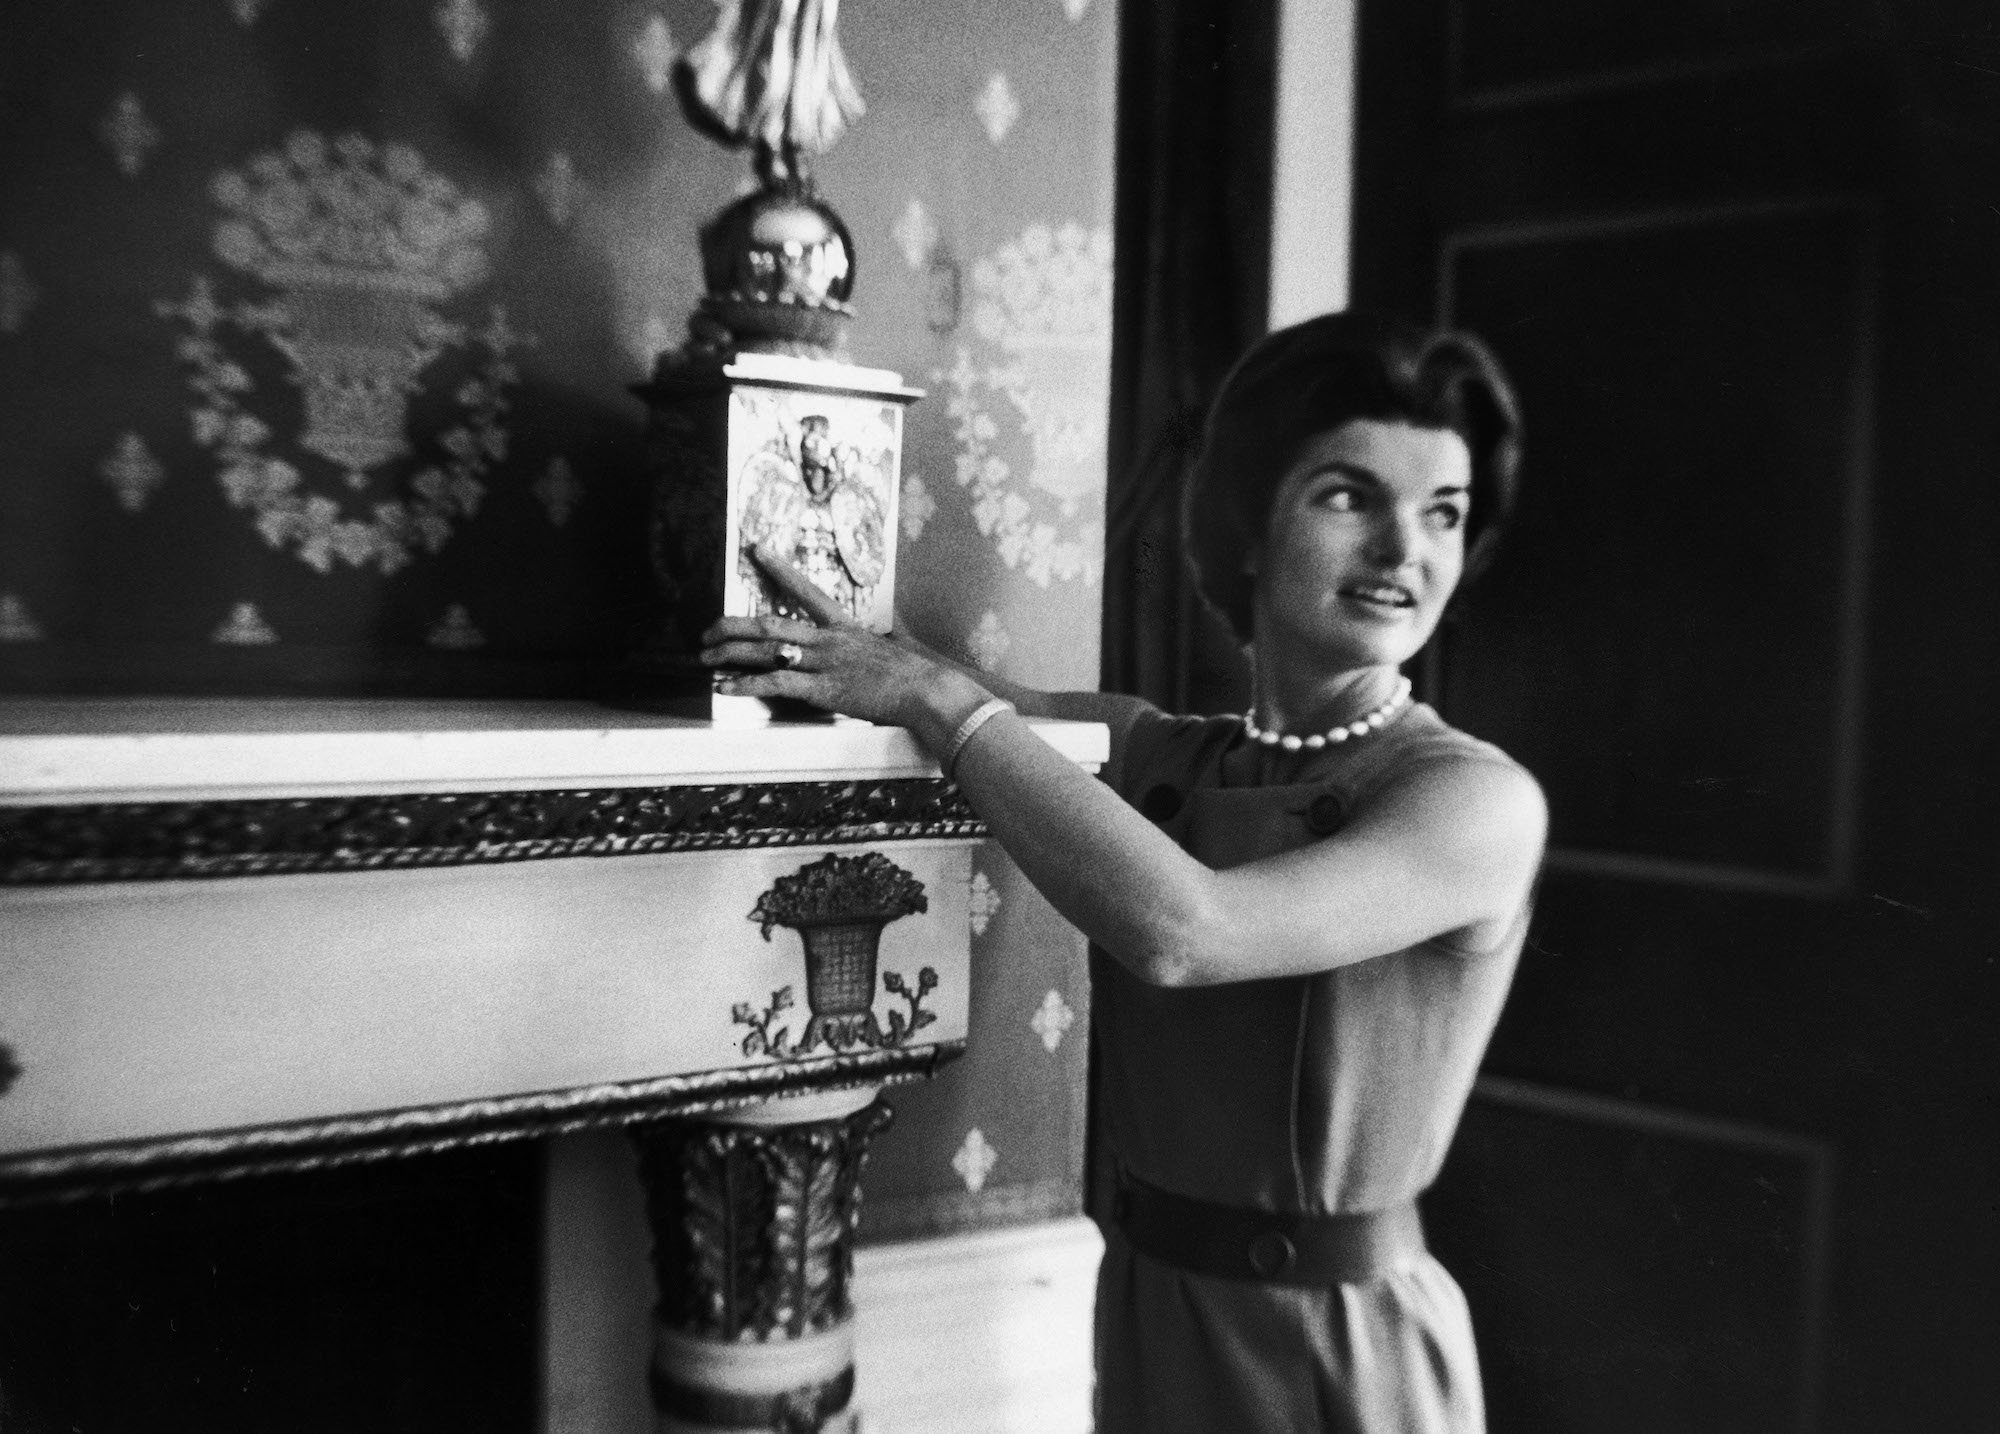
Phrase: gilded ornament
(839, 905)
(168, 841)
(813, 502)
(770, 74)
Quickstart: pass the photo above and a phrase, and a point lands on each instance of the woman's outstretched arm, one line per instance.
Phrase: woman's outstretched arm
(1452, 847)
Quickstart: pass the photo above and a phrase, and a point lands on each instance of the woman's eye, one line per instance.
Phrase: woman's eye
(1340, 500)
(1448, 516)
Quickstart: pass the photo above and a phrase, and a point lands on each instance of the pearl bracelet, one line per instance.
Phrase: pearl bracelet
(979, 717)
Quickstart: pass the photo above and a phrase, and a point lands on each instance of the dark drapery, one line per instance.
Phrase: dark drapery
(1192, 288)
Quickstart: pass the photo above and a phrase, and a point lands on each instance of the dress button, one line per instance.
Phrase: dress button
(1324, 814)
(1271, 1254)
(1161, 803)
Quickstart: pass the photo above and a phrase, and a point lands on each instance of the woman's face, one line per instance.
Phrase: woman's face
(1365, 544)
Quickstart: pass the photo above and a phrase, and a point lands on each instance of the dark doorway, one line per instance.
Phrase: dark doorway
(1731, 1168)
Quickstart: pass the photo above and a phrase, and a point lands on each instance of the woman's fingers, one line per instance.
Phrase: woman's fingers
(800, 686)
(768, 628)
(756, 652)
(799, 588)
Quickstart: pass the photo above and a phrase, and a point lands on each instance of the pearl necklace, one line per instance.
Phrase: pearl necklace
(1359, 727)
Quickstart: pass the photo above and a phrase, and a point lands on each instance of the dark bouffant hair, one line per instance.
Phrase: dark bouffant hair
(1313, 377)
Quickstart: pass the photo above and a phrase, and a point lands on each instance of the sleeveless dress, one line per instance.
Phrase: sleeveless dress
(1322, 1094)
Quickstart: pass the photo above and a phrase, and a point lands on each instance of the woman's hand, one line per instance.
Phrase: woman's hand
(835, 663)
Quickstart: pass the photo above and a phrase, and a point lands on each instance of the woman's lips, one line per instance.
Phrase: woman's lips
(1384, 598)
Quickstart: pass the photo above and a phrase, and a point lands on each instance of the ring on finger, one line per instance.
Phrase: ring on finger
(789, 654)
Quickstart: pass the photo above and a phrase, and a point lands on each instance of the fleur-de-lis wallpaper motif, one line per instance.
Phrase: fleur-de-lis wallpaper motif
(244, 627)
(132, 471)
(17, 624)
(247, 11)
(558, 490)
(989, 641)
(1052, 1020)
(917, 507)
(915, 233)
(997, 107)
(975, 1160)
(984, 904)
(464, 24)
(455, 631)
(655, 52)
(129, 133)
(18, 293)
(556, 187)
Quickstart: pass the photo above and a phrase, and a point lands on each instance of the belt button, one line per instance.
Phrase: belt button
(1271, 1254)
(1324, 814)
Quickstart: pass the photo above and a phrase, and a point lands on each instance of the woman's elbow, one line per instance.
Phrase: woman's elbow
(1173, 953)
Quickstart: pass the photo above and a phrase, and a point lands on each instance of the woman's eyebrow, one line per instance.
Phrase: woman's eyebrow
(1347, 468)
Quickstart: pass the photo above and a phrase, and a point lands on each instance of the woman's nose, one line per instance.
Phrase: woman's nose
(1393, 539)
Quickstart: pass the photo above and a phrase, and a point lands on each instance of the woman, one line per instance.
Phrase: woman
(1303, 920)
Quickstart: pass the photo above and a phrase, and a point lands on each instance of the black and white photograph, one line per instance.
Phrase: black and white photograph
(999, 716)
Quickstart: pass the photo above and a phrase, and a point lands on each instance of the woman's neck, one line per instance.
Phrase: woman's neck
(1286, 699)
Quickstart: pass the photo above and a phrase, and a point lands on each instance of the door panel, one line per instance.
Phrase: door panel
(1678, 662)
(1729, 1167)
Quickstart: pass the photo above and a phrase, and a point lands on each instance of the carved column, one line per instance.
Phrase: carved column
(753, 1214)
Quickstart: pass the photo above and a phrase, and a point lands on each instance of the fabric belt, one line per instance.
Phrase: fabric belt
(1275, 1246)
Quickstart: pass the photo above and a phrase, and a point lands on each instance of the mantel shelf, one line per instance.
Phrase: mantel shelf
(59, 751)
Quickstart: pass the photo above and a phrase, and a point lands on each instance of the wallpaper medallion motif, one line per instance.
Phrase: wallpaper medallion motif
(1042, 313)
(354, 247)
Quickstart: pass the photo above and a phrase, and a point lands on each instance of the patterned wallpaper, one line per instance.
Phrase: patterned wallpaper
(316, 324)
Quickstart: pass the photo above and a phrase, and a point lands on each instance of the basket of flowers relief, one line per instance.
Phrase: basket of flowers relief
(839, 905)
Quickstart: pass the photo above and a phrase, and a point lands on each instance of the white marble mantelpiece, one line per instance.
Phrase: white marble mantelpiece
(213, 749)
(268, 933)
